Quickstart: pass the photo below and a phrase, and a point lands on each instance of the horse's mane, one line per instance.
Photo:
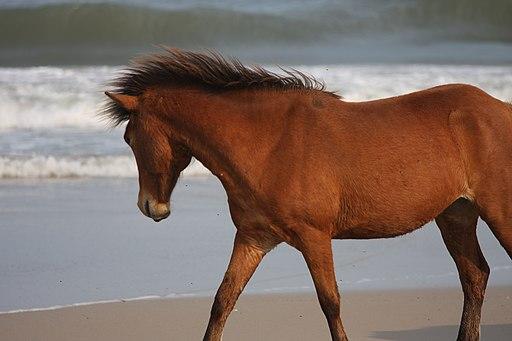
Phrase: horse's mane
(209, 70)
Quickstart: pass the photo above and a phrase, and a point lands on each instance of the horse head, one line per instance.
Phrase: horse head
(160, 157)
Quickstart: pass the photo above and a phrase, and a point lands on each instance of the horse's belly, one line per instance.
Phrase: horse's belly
(376, 232)
(397, 214)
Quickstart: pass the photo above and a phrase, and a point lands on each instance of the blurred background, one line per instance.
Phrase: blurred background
(69, 228)
(54, 32)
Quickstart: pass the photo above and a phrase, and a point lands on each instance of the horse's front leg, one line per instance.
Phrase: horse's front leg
(245, 258)
(317, 251)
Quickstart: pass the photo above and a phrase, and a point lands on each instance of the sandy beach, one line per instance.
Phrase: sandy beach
(428, 314)
(393, 289)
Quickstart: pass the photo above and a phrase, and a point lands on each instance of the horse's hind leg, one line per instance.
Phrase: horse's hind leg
(458, 229)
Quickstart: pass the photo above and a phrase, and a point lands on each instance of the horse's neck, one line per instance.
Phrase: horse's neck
(230, 133)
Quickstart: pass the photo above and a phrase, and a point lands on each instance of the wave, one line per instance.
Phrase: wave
(49, 126)
(90, 31)
(105, 24)
(132, 23)
(52, 97)
(71, 97)
(41, 166)
(72, 113)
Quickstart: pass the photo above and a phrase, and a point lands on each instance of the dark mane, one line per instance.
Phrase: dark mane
(209, 70)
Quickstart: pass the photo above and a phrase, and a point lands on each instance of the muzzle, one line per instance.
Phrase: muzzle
(153, 209)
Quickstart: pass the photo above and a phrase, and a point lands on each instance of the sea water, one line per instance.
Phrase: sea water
(50, 128)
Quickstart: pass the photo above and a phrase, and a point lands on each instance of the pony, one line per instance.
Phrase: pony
(302, 166)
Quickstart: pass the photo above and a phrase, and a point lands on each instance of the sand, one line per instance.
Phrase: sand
(426, 314)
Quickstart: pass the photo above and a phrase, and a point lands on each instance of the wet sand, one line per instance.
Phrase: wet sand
(426, 314)
(70, 241)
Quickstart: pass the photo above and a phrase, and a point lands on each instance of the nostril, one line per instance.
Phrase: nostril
(146, 207)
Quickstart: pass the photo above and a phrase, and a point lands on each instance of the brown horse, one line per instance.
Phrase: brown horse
(303, 167)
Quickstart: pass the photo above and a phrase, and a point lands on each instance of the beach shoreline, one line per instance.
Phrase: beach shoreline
(412, 314)
(51, 256)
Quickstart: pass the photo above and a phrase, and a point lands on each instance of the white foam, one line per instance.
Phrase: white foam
(40, 166)
(54, 97)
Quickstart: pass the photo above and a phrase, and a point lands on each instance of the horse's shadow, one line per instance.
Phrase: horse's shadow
(494, 332)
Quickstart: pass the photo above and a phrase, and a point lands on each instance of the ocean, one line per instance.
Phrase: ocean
(70, 231)
(289, 32)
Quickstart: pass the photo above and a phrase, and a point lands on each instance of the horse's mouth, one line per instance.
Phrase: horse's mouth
(154, 210)
(146, 208)
(157, 219)
(162, 217)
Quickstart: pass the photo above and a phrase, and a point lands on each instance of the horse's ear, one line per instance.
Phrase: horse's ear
(128, 102)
